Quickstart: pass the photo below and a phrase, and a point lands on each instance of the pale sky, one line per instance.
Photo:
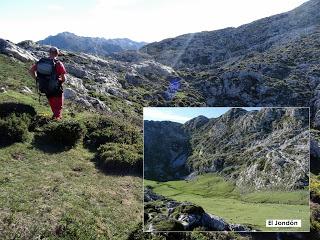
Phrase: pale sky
(184, 114)
(139, 20)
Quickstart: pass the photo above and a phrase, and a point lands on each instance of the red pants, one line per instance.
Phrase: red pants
(56, 106)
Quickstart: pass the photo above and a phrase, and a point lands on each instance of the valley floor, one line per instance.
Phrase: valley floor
(223, 199)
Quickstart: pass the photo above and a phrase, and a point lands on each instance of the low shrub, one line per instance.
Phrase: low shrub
(114, 157)
(106, 129)
(14, 129)
(38, 121)
(66, 133)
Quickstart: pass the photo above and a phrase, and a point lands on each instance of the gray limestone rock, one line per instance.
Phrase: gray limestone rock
(9, 48)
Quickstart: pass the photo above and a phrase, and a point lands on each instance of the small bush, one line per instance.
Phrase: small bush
(38, 122)
(106, 129)
(65, 133)
(14, 129)
(116, 157)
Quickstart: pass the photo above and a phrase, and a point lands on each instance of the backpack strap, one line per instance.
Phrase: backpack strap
(37, 82)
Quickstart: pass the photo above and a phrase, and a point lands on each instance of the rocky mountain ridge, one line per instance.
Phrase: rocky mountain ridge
(97, 46)
(92, 79)
(281, 73)
(210, 47)
(247, 147)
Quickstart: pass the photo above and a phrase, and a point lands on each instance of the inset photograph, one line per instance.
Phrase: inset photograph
(226, 169)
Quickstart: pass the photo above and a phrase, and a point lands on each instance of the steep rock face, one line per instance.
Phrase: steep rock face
(266, 149)
(260, 149)
(166, 150)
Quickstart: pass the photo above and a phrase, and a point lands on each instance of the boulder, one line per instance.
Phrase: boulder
(77, 71)
(149, 67)
(99, 105)
(84, 102)
(3, 90)
(76, 83)
(214, 223)
(133, 78)
(26, 90)
(69, 93)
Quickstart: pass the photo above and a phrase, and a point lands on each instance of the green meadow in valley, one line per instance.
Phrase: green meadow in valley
(222, 198)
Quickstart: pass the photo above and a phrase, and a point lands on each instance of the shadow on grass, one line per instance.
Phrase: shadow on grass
(44, 144)
(4, 143)
(8, 108)
(118, 169)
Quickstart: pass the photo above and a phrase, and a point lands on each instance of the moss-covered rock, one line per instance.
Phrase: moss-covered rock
(189, 209)
(168, 225)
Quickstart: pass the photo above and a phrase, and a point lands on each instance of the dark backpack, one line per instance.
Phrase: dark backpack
(47, 81)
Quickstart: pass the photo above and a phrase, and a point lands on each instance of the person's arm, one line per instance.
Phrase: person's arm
(33, 71)
(61, 71)
(63, 78)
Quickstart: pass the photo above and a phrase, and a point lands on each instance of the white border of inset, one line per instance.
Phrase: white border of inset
(278, 231)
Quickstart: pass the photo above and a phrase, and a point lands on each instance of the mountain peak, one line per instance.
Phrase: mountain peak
(66, 34)
(196, 122)
(92, 45)
(234, 113)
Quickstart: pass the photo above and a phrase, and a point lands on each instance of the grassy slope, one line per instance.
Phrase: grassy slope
(42, 193)
(13, 74)
(59, 195)
(222, 198)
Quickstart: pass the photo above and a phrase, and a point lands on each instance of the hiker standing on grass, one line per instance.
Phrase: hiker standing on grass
(49, 74)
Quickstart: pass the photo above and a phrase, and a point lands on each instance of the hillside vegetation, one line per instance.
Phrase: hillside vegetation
(52, 183)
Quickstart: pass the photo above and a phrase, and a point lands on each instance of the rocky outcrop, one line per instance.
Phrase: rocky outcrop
(163, 214)
(92, 79)
(26, 90)
(10, 49)
(266, 149)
